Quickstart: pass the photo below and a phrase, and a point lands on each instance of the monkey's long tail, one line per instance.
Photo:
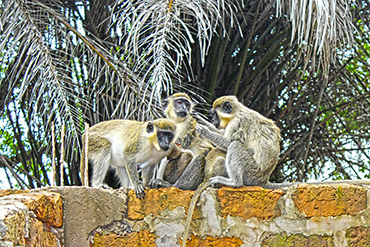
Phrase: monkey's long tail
(193, 202)
(82, 166)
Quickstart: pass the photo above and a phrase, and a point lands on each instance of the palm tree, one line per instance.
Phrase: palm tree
(71, 62)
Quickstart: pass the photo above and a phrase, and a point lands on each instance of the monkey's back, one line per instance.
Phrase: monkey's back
(259, 134)
(114, 134)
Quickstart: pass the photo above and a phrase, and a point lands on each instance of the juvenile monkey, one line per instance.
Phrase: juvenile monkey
(128, 145)
(187, 172)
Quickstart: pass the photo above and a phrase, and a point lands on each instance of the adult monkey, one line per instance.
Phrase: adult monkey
(127, 145)
(252, 143)
(188, 171)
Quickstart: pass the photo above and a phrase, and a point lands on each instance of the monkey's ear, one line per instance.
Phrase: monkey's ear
(165, 103)
(150, 127)
(227, 107)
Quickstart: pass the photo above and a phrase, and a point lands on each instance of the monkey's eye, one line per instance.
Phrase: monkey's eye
(187, 104)
(227, 107)
(179, 101)
(150, 127)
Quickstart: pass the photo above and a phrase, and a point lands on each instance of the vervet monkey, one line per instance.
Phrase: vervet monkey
(185, 173)
(251, 142)
(127, 145)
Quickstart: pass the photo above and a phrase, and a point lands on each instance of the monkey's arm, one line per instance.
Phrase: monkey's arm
(216, 138)
(135, 181)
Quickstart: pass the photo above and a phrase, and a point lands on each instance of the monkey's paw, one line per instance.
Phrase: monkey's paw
(215, 181)
(158, 183)
(197, 117)
(155, 183)
(140, 191)
(201, 129)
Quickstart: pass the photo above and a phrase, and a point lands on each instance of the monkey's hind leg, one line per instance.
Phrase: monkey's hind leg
(100, 166)
(239, 161)
(193, 174)
(190, 178)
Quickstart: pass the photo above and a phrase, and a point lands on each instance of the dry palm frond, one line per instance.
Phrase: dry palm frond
(158, 34)
(318, 26)
(60, 73)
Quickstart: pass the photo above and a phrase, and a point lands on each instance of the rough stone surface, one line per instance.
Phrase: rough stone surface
(86, 208)
(249, 201)
(330, 200)
(21, 226)
(278, 240)
(12, 191)
(137, 239)
(358, 236)
(197, 241)
(156, 201)
(48, 206)
(301, 215)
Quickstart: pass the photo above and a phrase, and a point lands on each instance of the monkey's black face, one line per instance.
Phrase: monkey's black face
(181, 107)
(164, 139)
(215, 119)
(227, 107)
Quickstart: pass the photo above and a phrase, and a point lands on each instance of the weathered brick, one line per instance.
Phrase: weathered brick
(38, 236)
(11, 191)
(158, 200)
(358, 236)
(249, 201)
(137, 239)
(22, 229)
(48, 207)
(330, 200)
(299, 240)
(212, 241)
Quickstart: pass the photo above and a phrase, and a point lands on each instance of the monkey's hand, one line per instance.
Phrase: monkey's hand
(199, 118)
(139, 191)
(202, 129)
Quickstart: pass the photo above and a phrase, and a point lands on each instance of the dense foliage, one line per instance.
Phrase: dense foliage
(304, 64)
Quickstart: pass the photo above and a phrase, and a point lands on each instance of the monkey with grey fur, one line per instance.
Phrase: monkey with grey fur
(187, 172)
(251, 142)
(127, 145)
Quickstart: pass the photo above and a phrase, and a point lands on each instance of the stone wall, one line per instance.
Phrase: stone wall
(303, 215)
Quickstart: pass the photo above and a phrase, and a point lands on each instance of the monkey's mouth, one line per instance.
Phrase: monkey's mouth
(182, 114)
(164, 148)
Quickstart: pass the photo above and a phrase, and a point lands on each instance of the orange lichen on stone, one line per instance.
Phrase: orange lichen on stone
(157, 200)
(142, 238)
(249, 201)
(358, 236)
(48, 207)
(212, 241)
(11, 191)
(330, 200)
(40, 237)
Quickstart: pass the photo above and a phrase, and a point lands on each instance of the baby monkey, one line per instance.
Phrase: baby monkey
(127, 145)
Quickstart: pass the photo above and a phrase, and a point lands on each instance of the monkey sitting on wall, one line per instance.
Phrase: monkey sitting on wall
(187, 172)
(127, 145)
(252, 142)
